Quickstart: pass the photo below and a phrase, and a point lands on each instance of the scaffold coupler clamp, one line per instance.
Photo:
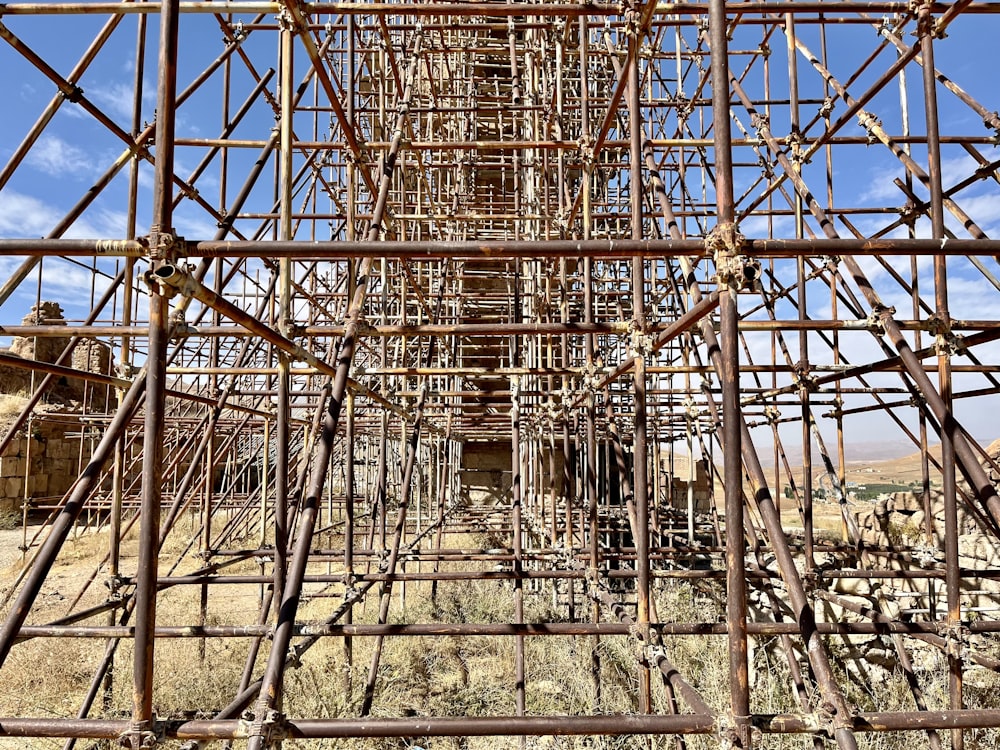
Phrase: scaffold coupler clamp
(585, 145)
(164, 244)
(631, 16)
(923, 12)
(286, 21)
(827, 719)
(875, 322)
(515, 388)
(350, 583)
(734, 732)
(141, 735)
(733, 269)
(992, 122)
(654, 651)
(956, 640)
(268, 724)
(640, 343)
(761, 123)
(115, 583)
(351, 592)
(946, 342)
(871, 124)
(926, 555)
(691, 409)
(803, 378)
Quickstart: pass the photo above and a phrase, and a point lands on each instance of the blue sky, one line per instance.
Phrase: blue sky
(74, 150)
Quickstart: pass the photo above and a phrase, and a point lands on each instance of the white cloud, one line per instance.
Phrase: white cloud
(115, 98)
(957, 169)
(54, 156)
(27, 216)
(983, 209)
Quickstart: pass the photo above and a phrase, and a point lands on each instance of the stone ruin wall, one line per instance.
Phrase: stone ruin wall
(43, 460)
(42, 463)
(89, 355)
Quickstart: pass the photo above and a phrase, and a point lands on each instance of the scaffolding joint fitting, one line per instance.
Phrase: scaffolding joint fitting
(270, 725)
(286, 21)
(142, 735)
(926, 25)
(946, 341)
(163, 244)
(294, 330)
(992, 122)
(178, 324)
(115, 584)
(73, 93)
(640, 344)
(585, 145)
(827, 719)
(725, 243)
(772, 414)
(733, 731)
(737, 272)
(238, 34)
(640, 633)
(591, 378)
(927, 556)
(956, 640)
(654, 652)
(631, 18)
(761, 122)
(810, 579)
(870, 123)
(794, 141)
(515, 388)
(908, 213)
(722, 239)
(803, 378)
(691, 409)
(293, 658)
(875, 322)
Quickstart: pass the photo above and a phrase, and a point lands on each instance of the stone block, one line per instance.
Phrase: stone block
(13, 487)
(916, 523)
(906, 502)
(38, 485)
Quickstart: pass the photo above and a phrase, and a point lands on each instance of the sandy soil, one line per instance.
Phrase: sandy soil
(9, 552)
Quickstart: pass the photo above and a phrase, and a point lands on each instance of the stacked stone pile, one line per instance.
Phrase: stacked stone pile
(900, 519)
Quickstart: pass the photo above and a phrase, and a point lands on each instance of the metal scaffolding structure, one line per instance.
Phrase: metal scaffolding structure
(604, 291)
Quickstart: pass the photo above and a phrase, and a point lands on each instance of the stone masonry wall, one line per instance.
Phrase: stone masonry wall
(47, 457)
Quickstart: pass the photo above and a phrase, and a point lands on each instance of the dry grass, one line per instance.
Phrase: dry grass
(438, 676)
(10, 406)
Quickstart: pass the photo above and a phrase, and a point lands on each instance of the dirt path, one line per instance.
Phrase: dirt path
(10, 541)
